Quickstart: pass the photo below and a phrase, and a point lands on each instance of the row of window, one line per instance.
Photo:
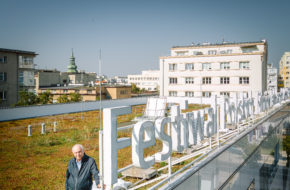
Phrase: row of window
(208, 66)
(144, 78)
(207, 80)
(204, 94)
(209, 52)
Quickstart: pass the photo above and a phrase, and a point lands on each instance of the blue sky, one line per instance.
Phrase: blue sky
(133, 34)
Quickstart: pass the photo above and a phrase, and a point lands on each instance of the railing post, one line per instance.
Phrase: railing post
(54, 126)
(43, 128)
(29, 130)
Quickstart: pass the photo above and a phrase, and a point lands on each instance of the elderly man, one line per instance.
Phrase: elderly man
(80, 170)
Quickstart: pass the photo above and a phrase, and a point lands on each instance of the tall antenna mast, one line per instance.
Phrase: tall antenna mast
(100, 78)
(101, 129)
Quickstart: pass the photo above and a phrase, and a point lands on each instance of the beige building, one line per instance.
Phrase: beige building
(89, 93)
(285, 69)
(204, 70)
(16, 74)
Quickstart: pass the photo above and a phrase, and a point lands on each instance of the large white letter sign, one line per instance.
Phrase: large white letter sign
(192, 136)
(139, 144)
(175, 130)
(112, 144)
(199, 124)
(166, 140)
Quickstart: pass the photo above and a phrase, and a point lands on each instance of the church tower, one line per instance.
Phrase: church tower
(72, 68)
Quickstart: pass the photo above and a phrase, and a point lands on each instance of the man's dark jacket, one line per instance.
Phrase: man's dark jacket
(81, 179)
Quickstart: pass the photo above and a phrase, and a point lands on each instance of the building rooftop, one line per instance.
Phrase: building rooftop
(222, 44)
(17, 51)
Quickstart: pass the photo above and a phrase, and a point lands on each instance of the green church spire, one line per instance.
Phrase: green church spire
(72, 68)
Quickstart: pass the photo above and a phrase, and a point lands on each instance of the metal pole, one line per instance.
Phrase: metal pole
(101, 174)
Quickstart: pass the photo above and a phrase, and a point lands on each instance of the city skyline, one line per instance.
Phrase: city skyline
(134, 34)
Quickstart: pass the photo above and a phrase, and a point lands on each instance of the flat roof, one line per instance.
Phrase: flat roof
(17, 51)
(222, 44)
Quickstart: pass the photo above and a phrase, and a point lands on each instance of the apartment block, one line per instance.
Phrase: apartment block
(16, 74)
(285, 69)
(148, 80)
(214, 69)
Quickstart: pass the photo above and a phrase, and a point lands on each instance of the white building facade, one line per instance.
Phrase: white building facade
(272, 78)
(148, 80)
(214, 69)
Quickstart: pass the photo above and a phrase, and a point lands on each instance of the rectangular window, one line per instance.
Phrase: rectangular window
(3, 95)
(206, 94)
(89, 91)
(225, 80)
(244, 65)
(123, 92)
(189, 80)
(189, 66)
(65, 91)
(181, 53)
(172, 93)
(206, 66)
(225, 94)
(206, 80)
(229, 51)
(3, 76)
(225, 65)
(189, 94)
(3, 59)
(212, 52)
(244, 80)
(21, 78)
(173, 67)
(172, 80)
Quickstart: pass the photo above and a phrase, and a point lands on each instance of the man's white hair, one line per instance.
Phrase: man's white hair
(76, 145)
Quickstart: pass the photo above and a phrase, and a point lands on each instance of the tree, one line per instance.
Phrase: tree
(75, 97)
(134, 88)
(27, 98)
(63, 99)
(45, 97)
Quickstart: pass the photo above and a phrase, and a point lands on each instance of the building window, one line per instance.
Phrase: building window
(54, 92)
(65, 91)
(189, 94)
(27, 60)
(225, 65)
(225, 94)
(189, 80)
(244, 65)
(206, 94)
(172, 80)
(181, 53)
(189, 66)
(123, 92)
(206, 80)
(89, 91)
(229, 51)
(3, 95)
(172, 93)
(206, 66)
(225, 80)
(3, 76)
(173, 67)
(212, 52)
(3, 59)
(244, 80)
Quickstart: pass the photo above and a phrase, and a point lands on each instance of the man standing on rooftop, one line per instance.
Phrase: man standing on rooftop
(80, 170)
